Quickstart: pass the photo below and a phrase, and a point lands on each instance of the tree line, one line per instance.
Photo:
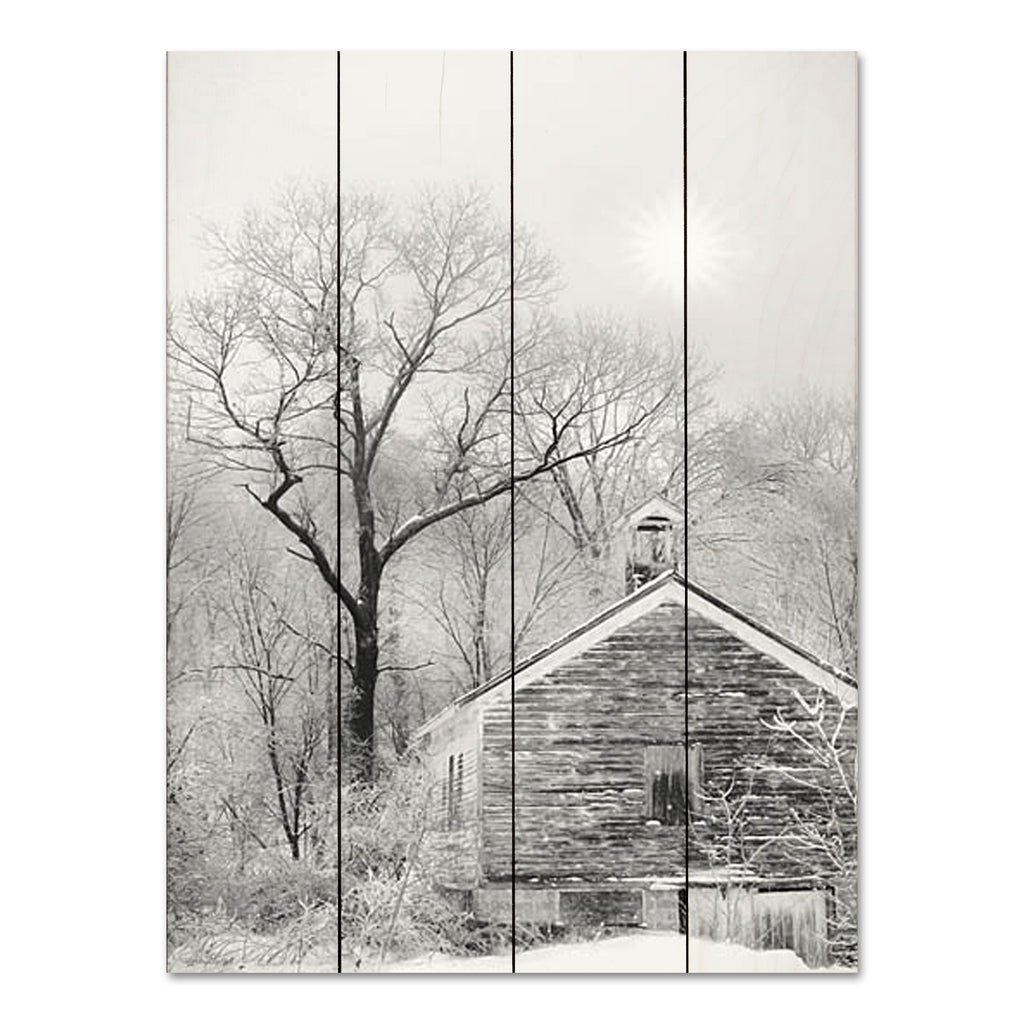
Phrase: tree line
(402, 371)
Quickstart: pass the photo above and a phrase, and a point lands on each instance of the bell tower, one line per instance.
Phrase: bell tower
(651, 538)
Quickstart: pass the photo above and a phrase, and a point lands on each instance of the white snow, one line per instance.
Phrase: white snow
(642, 953)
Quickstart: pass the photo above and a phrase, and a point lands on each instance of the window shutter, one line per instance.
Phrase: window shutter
(672, 774)
(676, 809)
(695, 772)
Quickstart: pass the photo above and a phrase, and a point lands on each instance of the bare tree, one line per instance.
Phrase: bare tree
(411, 316)
(471, 560)
(821, 838)
(773, 520)
(809, 748)
(817, 428)
(604, 380)
(282, 679)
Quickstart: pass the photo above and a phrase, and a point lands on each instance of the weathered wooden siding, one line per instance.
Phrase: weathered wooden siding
(451, 847)
(580, 736)
(763, 920)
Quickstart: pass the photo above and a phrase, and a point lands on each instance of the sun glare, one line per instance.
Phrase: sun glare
(655, 246)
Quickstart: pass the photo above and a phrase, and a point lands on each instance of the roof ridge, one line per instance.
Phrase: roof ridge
(663, 579)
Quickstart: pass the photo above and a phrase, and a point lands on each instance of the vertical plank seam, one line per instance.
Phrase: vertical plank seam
(686, 516)
(512, 374)
(337, 479)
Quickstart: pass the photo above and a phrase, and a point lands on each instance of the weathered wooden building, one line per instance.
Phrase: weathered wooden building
(669, 763)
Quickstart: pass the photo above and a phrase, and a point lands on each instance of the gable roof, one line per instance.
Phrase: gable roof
(668, 588)
(654, 505)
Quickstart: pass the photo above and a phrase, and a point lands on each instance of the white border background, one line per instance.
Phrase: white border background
(82, 507)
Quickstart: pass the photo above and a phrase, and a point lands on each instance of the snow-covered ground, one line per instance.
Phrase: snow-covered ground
(642, 953)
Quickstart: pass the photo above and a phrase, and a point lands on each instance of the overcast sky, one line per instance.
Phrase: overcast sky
(772, 161)
(598, 175)
(238, 124)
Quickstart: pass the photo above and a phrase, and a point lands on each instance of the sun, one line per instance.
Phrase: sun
(655, 246)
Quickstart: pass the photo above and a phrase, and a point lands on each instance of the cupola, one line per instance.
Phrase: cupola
(652, 538)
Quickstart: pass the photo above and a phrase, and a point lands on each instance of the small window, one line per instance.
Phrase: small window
(668, 769)
(453, 791)
(457, 794)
